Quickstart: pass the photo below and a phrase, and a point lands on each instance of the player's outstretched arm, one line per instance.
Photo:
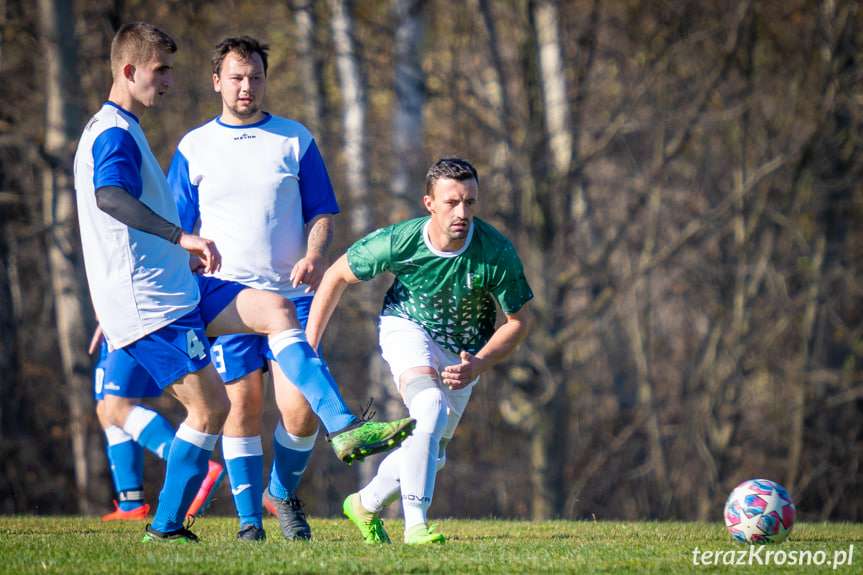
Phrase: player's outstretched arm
(327, 296)
(505, 339)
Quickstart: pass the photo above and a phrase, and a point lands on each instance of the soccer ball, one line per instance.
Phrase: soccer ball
(759, 511)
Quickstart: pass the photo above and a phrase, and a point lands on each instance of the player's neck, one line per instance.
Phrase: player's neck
(124, 99)
(231, 119)
(444, 243)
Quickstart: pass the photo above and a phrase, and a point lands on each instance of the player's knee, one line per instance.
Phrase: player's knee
(218, 409)
(115, 409)
(302, 426)
(283, 314)
(427, 404)
(245, 413)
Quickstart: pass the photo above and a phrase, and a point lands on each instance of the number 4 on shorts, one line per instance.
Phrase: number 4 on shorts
(194, 347)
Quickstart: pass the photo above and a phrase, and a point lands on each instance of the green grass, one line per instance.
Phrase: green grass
(87, 545)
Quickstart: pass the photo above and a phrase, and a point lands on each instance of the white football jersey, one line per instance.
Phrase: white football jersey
(252, 189)
(139, 282)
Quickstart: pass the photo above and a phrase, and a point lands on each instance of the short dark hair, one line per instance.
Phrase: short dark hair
(245, 46)
(450, 168)
(138, 43)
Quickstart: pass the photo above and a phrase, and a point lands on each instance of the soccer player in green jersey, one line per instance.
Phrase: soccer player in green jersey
(437, 331)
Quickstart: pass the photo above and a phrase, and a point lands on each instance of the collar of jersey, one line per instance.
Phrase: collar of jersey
(438, 252)
(267, 118)
(125, 112)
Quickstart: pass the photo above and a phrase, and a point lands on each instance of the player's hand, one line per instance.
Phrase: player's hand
(459, 375)
(308, 271)
(196, 264)
(96, 340)
(206, 250)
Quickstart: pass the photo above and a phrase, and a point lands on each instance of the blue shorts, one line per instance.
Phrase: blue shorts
(237, 355)
(118, 374)
(182, 347)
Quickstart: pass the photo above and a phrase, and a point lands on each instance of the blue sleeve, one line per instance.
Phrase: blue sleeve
(316, 189)
(185, 193)
(117, 162)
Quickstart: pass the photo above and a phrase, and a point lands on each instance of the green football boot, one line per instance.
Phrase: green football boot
(182, 535)
(422, 534)
(370, 525)
(363, 438)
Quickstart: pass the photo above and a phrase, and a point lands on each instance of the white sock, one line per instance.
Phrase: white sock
(418, 465)
(384, 487)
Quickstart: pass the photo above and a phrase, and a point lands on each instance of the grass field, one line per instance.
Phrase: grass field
(88, 545)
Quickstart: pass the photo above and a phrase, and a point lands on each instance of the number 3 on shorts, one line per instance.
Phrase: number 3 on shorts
(194, 347)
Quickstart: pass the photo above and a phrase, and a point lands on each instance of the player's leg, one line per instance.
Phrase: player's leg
(414, 360)
(125, 457)
(293, 441)
(203, 395)
(127, 470)
(244, 454)
(178, 356)
(365, 506)
(145, 426)
(456, 402)
(418, 466)
(274, 316)
(413, 468)
(126, 384)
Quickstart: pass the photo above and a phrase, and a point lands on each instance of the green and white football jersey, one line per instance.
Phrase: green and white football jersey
(451, 294)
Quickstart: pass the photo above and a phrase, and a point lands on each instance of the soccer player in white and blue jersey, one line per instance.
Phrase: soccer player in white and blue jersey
(438, 332)
(150, 304)
(257, 185)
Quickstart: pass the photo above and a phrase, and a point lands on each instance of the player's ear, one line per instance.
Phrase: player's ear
(217, 85)
(429, 203)
(129, 72)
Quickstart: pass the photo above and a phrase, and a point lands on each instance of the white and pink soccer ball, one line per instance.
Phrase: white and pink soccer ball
(759, 511)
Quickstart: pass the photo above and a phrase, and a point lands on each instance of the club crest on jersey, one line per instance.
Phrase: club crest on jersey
(244, 137)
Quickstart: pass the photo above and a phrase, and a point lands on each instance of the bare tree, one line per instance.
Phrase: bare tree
(354, 112)
(72, 313)
(409, 161)
(306, 24)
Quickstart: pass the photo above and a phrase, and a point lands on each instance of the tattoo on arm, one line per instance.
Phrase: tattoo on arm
(321, 235)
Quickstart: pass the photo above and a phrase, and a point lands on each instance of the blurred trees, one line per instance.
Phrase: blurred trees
(680, 178)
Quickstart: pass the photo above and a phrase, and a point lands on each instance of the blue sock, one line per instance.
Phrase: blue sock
(244, 460)
(150, 429)
(127, 468)
(291, 454)
(188, 462)
(312, 377)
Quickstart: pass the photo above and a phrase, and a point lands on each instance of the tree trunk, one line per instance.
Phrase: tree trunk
(408, 134)
(361, 217)
(307, 56)
(71, 306)
(553, 81)
(7, 325)
(354, 113)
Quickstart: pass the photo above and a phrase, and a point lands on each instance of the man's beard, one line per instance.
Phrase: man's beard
(245, 113)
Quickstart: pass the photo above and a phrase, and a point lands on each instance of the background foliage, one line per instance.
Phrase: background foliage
(682, 180)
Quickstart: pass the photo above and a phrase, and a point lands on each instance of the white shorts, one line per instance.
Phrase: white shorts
(405, 345)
